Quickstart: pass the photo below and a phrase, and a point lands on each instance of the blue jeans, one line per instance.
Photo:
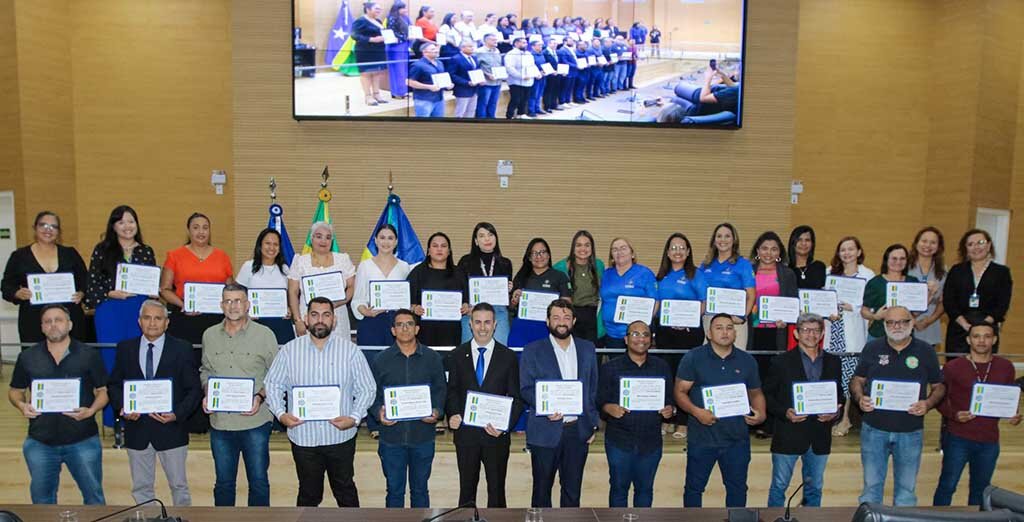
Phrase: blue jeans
(397, 461)
(958, 452)
(875, 448)
(487, 100)
(501, 326)
(627, 467)
(733, 462)
(536, 93)
(620, 75)
(813, 471)
(429, 109)
(84, 460)
(254, 446)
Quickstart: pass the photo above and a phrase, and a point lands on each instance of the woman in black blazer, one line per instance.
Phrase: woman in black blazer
(370, 51)
(44, 255)
(977, 289)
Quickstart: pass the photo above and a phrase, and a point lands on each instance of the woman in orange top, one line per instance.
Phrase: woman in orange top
(425, 21)
(196, 262)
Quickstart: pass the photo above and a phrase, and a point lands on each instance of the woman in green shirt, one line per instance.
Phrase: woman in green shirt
(584, 273)
(894, 270)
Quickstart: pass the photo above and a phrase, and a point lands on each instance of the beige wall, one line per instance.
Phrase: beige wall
(11, 177)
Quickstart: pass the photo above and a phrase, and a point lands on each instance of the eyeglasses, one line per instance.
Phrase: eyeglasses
(640, 334)
(980, 242)
(538, 254)
(810, 330)
(49, 226)
(405, 325)
(901, 323)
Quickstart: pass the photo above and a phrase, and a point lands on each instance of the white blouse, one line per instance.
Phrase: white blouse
(854, 325)
(268, 276)
(369, 271)
(302, 265)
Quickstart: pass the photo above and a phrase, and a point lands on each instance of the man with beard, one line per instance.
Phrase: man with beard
(321, 359)
(406, 447)
(559, 443)
(885, 432)
(71, 437)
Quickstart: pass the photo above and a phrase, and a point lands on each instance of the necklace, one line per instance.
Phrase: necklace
(975, 366)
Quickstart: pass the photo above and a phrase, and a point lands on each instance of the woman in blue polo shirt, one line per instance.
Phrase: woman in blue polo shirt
(724, 267)
(625, 277)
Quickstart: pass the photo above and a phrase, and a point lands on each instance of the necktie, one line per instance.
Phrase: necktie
(480, 366)
(149, 362)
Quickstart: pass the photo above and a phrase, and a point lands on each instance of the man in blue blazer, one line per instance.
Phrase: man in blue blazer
(465, 88)
(155, 355)
(567, 55)
(559, 443)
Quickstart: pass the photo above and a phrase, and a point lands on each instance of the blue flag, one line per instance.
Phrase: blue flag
(276, 222)
(340, 32)
(408, 249)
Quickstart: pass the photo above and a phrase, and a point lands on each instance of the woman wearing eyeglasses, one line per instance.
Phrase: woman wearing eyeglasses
(44, 255)
(977, 289)
(535, 274)
(624, 277)
(894, 270)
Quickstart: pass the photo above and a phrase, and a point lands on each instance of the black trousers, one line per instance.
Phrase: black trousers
(567, 459)
(337, 461)
(518, 98)
(552, 88)
(586, 322)
(495, 460)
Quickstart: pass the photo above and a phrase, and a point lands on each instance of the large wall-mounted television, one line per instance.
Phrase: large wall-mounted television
(665, 63)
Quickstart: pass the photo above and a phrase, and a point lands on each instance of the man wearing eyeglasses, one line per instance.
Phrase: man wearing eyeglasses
(803, 437)
(632, 439)
(239, 347)
(406, 447)
(901, 358)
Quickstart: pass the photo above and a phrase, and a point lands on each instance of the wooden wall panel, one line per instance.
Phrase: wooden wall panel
(566, 177)
(11, 176)
(1013, 331)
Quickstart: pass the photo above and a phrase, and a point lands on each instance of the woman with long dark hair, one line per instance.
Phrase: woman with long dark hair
(584, 269)
(268, 269)
(977, 289)
(535, 274)
(398, 52)
(485, 260)
(437, 272)
(375, 325)
(927, 264)
(371, 56)
(810, 272)
(724, 267)
(894, 269)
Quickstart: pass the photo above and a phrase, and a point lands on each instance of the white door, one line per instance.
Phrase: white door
(997, 223)
(8, 244)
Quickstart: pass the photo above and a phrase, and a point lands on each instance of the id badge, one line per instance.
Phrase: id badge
(975, 301)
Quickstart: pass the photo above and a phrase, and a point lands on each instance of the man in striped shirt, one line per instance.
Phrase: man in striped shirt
(329, 369)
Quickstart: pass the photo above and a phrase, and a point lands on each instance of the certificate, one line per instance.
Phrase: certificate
(574, 36)
(533, 305)
(58, 287)
(601, 60)
(203, 298)
(442, 80)
(518, 34)
(821, 302)
(849, 290)
(563, 69)
(815, 398)
(499, 73)
(727, 301)
(483, 409)
(137, 279)
(626, 57)
(894, 395)
(629, 309)
(547, 68)
(642, 393)
(148, 396)
(774, 308)
(415, 32)
(490, 290)
(912, 296)
(728, 400)
(994, 400)
(679, 313)
(316, 403)
(581, 63)
(407, 402)
(477, 76)
(229, 394)
(591, 60)
(268, 302)
(565, 397)
(389, 36)
(328, 284)
(441, 305)
(441, 40)
(615, 58)
(532, 71)
(390, 295)
(535, 38)
(605, 33)
(56, 395)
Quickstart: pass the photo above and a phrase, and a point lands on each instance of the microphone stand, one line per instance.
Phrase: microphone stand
(476, 513)
(786, 517)
(163, 512)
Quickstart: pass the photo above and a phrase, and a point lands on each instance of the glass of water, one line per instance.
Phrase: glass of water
(534, 515)
(630, 517)
(67, 516)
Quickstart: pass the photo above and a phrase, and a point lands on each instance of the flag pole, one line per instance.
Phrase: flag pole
(391, 182)
(273, 190)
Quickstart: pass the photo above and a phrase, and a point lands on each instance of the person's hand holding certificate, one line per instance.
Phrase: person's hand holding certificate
(389, 295)
(48, 288)
(483, 409)
(727, 400)
(268, 302)
(442, 80)
(490, 290)
(849, 290)
(727, 301)
(147, 396)
(229, 395)
(995, 400)
(499, 73)
(773, 309)
(629, 309)
(642, 393)
(315, 403)
(894, 395)
(328, 284)
(533, 306)
(407, 402)
(137, 279)
(815, 398)
(441, 305)
(564, 397)
(680, 314)
(56, 395)
(203, 298)
(822, 302)
(476, 77)
(912, 296)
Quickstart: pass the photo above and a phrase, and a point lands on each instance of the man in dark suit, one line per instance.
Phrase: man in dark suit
(804, 437)
(559, 443)
(486, 366)
(465, 88)
(157, 356)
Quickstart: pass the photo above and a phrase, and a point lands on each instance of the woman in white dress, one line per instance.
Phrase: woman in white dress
(375, 324)
(271, 272)
(320, 261)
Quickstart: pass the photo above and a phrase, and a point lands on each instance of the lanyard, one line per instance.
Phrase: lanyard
(487, 273)
(977, 278)
(987, 370)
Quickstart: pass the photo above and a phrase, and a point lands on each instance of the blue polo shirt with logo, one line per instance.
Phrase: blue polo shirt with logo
(704, 367)
(737, 275)
(638, 281)
(917, 362)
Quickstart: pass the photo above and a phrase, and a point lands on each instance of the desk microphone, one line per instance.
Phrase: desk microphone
(476, 513)
(786, 517)
(162, 518)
